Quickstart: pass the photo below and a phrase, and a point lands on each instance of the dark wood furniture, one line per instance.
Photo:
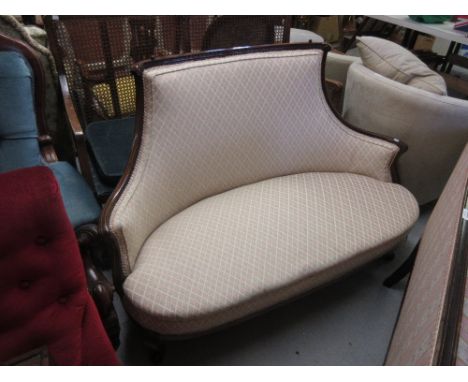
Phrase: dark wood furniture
(231, 31)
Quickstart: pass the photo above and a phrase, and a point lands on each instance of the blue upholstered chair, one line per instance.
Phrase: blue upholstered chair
(24, 141)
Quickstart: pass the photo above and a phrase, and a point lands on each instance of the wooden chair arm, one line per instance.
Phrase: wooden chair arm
(47, 148)
(78, 133)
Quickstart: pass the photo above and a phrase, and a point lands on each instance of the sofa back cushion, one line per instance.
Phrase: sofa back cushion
(215, 124)
(397, 63)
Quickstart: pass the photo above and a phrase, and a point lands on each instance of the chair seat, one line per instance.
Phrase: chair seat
(80, 203)
(110, 143)
(247, 249)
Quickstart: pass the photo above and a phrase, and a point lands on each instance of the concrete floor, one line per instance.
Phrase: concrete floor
(347, 323)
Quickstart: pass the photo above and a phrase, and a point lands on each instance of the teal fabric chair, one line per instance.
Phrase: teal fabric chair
(20, 134)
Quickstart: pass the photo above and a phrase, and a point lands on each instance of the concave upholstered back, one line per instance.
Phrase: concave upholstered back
(215, 124)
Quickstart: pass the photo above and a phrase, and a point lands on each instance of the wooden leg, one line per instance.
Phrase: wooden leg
(403, 270)
(157, 349)
(455, 52)
(389, 256)
(447, 56)
(346, 44)
(99, 287)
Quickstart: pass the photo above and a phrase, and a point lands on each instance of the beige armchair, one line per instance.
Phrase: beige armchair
(245, 190)
(434, 127)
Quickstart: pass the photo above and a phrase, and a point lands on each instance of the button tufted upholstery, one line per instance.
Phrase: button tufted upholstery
(43, 294)
(19, 147)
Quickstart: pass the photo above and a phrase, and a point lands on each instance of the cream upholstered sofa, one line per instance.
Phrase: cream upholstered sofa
(435, 127)
(244, 189)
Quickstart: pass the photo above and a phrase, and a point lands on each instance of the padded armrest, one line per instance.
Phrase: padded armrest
(428, 123)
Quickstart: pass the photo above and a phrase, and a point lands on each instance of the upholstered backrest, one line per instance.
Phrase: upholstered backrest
(434, 127)
(215, 124)
(18, 129)
(34, 37)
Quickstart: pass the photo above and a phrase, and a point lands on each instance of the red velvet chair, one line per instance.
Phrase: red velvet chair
(44, 299)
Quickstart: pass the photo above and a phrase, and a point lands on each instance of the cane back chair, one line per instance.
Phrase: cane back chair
(95, 55)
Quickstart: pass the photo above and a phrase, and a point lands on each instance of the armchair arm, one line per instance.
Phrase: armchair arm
(47, 148)
(78, 133)
(428, 123)
(337, 64)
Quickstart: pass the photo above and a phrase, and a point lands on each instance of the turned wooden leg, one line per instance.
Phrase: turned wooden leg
(101, 289)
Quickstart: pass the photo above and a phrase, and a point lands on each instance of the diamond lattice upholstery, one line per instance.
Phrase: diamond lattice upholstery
(236, 253)
(225, 137)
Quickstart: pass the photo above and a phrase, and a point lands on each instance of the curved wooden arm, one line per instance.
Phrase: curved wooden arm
(78, 133)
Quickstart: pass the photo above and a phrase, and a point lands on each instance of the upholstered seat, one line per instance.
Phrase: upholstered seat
(79, 201)
(19, 135)
(243, 250)
(110, 142)
(245, 190)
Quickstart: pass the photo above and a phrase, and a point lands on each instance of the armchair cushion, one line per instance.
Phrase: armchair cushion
(80, 203)
(399, 64)
(110, 142)
(241, 251)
